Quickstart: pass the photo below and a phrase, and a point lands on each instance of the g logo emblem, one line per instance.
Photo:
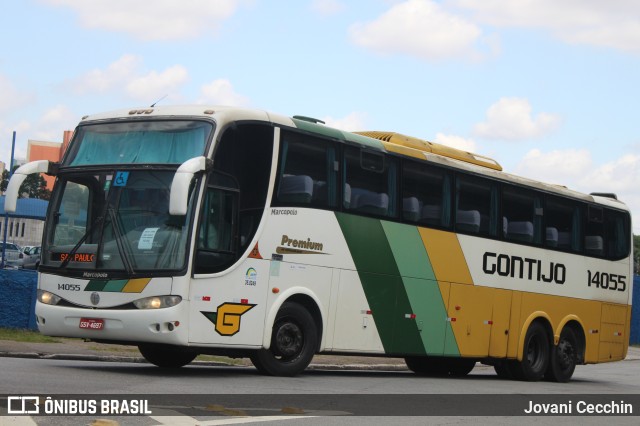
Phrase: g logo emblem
(227, 319)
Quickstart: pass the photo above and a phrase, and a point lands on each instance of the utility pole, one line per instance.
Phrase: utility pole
(6, 215)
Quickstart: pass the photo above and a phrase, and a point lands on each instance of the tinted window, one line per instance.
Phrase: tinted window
(369, 182)
(426, 194)
(562, 224)
(476, 206)
(307, 172)
(521, 215)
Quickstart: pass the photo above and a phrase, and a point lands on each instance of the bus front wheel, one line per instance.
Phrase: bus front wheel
(294, 340)
(165, 356)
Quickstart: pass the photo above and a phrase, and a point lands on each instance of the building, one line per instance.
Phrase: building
(52, 151)
(25, 226)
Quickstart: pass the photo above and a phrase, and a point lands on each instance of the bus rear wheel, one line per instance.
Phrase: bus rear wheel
(535, 357)
(294, 340)
(165, 356)
(564, 357)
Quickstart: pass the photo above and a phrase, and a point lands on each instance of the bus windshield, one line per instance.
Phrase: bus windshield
(138, 142)
(114, 221)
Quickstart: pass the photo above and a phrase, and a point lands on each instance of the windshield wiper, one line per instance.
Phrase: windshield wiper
(119, 241)
(75, 248)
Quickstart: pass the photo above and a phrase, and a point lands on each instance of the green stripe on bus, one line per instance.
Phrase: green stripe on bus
(115, 285)
(337, 134)
(420, 286)
(96, 285)
(106, 285)
(382, 284)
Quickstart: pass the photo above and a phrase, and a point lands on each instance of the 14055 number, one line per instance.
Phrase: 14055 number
(607, 281)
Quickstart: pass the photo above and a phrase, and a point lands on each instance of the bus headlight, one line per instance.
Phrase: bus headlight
(48, 298)
(157, 302)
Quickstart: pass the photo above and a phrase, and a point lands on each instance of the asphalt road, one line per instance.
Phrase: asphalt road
(213, 395)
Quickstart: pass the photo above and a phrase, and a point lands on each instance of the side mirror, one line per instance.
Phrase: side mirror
(179, 196)
(40, 166)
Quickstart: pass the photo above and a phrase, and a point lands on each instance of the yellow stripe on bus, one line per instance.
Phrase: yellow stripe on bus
(136, 285)
(447, 258)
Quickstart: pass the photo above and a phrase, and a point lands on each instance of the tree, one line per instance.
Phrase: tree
(34, 186)
(636, 254)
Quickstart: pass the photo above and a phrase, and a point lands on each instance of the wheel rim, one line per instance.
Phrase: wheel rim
(289, 341)
(534, 352)
(565, 354)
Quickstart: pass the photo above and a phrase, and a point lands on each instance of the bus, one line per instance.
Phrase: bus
(189, 230)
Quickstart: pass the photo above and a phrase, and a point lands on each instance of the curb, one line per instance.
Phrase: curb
(140, 360)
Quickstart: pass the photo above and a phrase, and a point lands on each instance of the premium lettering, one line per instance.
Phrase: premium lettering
(301, 244)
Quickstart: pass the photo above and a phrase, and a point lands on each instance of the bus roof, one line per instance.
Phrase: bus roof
(381, 141)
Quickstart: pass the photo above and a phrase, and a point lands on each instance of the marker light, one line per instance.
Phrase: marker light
(157, 302)
(48, 298)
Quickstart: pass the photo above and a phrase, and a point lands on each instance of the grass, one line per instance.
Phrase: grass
(30, 336)
(22, 335)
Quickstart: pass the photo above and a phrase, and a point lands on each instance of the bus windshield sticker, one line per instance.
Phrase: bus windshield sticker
(121, 179)
(146, 239)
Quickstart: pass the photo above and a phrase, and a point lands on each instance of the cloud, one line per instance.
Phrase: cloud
(576, 169)
(593, 22)
(12, 97)
(127, 75)
(104, 80)
(157, 20)
(557, 166)
(421, 28)
(154, 85)
(457, 142)
(221, 92)
(327, 7)
(52, 123)
(511, 119)
(353, 122)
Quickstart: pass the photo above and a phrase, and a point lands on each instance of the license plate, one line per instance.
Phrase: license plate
(92, 323)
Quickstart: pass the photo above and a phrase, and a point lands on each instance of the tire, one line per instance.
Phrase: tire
(535, 357)
(294, 340)
(460, 367)
(440, 367)
(165, 356)
(564, 357)
(427, 366)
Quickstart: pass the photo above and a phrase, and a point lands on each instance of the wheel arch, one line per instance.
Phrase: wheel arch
(307, 299)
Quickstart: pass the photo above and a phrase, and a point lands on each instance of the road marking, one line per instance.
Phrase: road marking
(190, 421)
(18, 421)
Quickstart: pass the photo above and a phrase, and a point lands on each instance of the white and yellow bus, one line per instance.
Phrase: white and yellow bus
(189, 230)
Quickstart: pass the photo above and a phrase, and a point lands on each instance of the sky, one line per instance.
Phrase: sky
(550, 89)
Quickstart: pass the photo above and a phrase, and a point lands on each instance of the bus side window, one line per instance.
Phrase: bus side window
(522, 216)
(426, 194)
(594, 232)
(562, 224)
(476, 206)
(370, 180)
(307, 172)
(617, 234)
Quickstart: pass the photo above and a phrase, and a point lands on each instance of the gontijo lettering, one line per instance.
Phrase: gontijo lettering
(518, 267)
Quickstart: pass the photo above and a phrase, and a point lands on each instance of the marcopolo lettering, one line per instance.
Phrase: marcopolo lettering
(505, 265)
